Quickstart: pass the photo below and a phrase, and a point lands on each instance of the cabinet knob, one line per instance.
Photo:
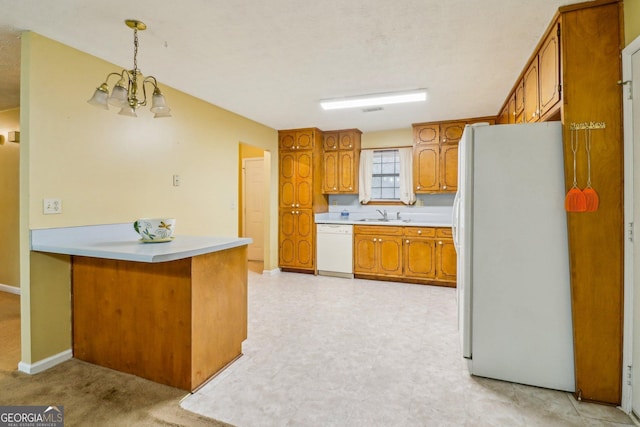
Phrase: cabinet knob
(293, 205)
(350, 146)
(444, 139)
(419, 231)
(297, 212)
(293, 212)
(440, 242)
(444, 187)
(298, 205)
(334, 188)
(407, 242)
(375, 240)
(350, 188)
(418, 187)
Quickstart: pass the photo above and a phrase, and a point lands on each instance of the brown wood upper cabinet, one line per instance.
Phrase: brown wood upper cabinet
(341, 161)
(531, 97)
(435, 154)
(303, 139)
(536, 96)
(549, 72)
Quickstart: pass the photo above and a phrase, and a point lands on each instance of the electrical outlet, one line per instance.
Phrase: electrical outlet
(176, 180)
(52, 206)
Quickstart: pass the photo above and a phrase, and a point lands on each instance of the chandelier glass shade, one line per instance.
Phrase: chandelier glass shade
(130, 90)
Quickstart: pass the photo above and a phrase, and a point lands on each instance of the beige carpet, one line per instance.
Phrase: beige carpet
(97, 396)
(91, 395)
(9, 331)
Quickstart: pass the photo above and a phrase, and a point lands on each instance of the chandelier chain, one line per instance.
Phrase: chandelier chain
(135, 50)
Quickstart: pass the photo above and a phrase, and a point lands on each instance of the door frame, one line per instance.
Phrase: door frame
(244, 202)
(627, 104)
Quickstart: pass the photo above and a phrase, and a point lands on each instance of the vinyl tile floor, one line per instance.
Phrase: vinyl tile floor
(325, 351)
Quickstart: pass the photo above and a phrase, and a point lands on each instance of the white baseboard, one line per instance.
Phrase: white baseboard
(271, 272)
(44, 364)
(9, 289)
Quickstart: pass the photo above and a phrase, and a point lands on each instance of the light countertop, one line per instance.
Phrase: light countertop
(121, 242)
(406, 220)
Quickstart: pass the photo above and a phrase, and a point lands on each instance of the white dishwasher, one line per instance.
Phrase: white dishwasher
(334, 250)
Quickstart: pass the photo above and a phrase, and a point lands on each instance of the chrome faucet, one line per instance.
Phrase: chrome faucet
(384, 214)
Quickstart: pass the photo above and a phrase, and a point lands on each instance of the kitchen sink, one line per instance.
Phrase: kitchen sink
(390, 221)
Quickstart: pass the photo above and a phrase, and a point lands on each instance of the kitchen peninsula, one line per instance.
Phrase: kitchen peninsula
(173, 312)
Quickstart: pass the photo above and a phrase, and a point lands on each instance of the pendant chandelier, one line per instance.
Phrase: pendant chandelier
(126, 92)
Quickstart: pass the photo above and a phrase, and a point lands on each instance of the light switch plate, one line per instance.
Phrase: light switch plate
(52, 206)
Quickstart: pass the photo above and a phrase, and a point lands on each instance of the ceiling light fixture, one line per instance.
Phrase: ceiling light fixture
(374, 99)
(126, 91)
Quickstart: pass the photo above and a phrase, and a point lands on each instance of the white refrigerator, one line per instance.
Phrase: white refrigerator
(510, 233)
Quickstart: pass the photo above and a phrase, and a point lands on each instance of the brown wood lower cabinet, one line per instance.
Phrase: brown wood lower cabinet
(378, 250)
(407, 254)
(297, 231)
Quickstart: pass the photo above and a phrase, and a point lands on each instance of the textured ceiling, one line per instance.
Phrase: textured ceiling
(272, 61)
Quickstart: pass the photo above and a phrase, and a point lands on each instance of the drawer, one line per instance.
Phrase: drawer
(444, 233)
(419, 231)
(377, 230)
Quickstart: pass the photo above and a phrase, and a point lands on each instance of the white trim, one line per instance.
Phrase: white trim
(44, 364)
(271, 272)
(9, 289)
(627, 346)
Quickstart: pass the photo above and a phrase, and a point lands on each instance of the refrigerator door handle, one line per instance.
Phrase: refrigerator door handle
(454, 220)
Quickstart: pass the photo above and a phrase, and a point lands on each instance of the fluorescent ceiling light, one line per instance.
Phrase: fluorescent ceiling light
(375, 99)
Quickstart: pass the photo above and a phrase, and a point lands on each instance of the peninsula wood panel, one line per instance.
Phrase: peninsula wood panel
(176, 323)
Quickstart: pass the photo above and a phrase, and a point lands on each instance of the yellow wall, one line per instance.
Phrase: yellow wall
(108, 169)
(631, 20)
(9, 200)
(388, 138)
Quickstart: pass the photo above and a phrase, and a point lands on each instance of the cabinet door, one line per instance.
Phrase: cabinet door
(287, 140)
(512, 109)
(426, 134)
(450, 133)
(305, 139)
(364, 254)
(288, 160)
(348, 140)
(449, 168)
(503, 118)
(287, 238)
(390, 255)
(304, 179)
(531, 100)
(446, 260)
(330, 175)
(549, 72)
(330, 141)
(347, 178)
(419, 258)
(519, 93)
(305, 242)
(426, 166)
